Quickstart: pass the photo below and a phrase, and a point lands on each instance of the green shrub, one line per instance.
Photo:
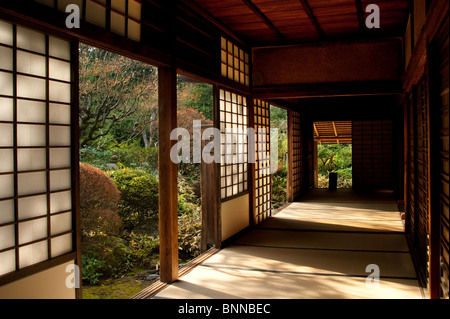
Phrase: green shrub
(96, 157)
(279, 184)
(100, 221)
(130, 154)
(145, 249)
(113, 251)
(138, 196)
(189, 228)
(92, 268)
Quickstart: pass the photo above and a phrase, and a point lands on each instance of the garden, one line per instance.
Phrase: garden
(119, 173)
(335, 158)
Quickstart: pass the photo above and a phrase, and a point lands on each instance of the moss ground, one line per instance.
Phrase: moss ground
(121, 288)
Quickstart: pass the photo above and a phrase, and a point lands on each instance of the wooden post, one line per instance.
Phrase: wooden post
(252, 148)
(210, 200)
(168, 202)
(290, 161)
(316, 164)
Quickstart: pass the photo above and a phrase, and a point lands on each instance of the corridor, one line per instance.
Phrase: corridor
(317, 248)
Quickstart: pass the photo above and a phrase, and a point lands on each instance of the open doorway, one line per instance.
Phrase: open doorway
(195, 112)
(333, 154)
(278, 122)
(119, 179)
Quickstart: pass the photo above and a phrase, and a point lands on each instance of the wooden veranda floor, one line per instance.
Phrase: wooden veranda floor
(317, 248)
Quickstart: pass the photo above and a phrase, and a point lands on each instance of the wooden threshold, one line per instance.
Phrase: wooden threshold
(156, 287)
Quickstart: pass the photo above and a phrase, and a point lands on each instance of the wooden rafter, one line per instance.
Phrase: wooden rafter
(264, 18)
(334, 128)
(313, 18)
(339, 132)
(315, 130)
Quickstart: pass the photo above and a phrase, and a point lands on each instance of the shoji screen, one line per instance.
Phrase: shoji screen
(263, 180)
(119, 16)
(443, 44)
(421, 179)
(297, 154)
(372, 154)
(35, 148)
(411, 159)
(234, 155)
(235, 63)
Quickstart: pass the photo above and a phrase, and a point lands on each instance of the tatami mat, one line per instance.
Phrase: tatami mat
(317, 248)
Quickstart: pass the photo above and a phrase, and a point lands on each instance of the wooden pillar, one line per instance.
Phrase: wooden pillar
(252, 148)
(210, 200)
(290, 161)
(168, 197)
(316, 164)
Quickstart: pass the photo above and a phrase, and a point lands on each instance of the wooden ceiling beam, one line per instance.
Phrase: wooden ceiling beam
(313, 18)
(360, 12)
(266, 20)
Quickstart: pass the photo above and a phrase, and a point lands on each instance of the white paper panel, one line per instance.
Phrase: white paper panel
(31, 159)
(134, 30)
(31, 111)
(118, 5)
(60, 202)
(6, 186)
(8, 262)
(6, 60)
(6, 160)
(117, 23)
(6, 211)
(134, 10)
(59, 92)
(33, 206)
(95, 14)
(7, 235)
(59, 113)
(29, 87)
(32, 254)
(6, 33)
(60, 180)
(61, 223)
(59, 48)
(59, 135)
(62, 4)
(6, 109)
(60, 157)
(61, 245)
(32, 230)
(6, 134)
(31, 63)
(6, 83)
(31, 135)
(32, 183)
(30, 40)
(59, 70)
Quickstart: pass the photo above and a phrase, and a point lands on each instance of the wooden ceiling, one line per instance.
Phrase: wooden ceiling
(278, 22)
(333, 132)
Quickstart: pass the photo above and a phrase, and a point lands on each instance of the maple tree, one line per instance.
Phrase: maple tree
(112, 88)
